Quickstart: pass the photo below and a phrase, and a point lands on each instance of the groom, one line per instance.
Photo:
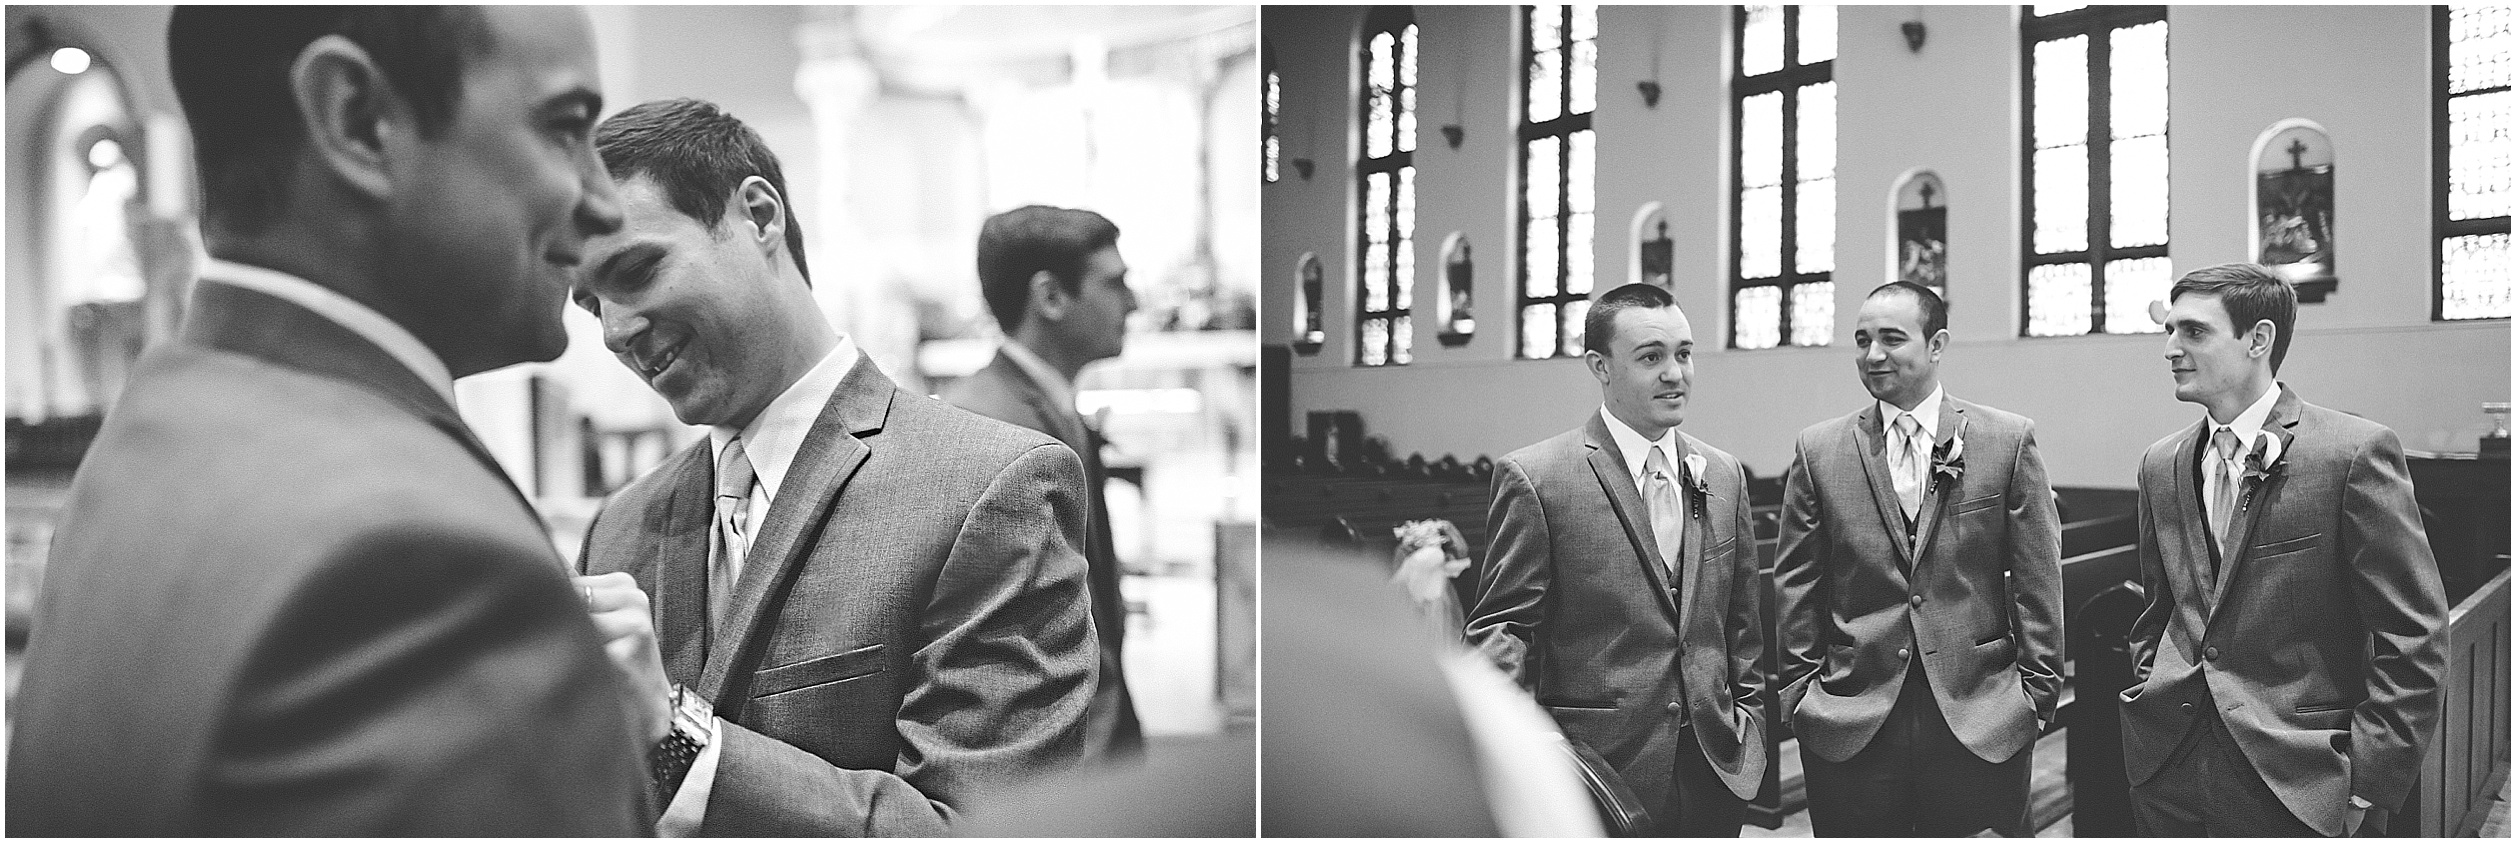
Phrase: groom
(1620, 587)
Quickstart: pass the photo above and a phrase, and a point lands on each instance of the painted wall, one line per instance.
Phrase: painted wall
(2361, 72)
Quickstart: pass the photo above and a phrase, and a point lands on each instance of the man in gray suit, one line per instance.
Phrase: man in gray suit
(2290, 653)
(291, 593)
(1620, 582)
(869, 607)
(1920, 593)
(1055, 282)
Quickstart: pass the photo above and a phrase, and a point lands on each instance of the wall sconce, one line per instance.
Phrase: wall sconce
(1302, 166)
(1455, 134)
(1650, 93)
(1914, 34)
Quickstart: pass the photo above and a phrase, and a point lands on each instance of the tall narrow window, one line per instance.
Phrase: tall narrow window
(2472, 113)
(1271, 97)
(2096, 221)
(1782, 164)
(1558, 175)
(1385, 328)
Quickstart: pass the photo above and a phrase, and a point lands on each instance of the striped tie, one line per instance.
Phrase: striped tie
(733, 509)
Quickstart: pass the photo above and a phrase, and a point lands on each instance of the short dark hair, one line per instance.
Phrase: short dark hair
(231, 64)
(1934, 308)
(2251, 294)
(1600, 325)
(698, 154)
(1014, 245)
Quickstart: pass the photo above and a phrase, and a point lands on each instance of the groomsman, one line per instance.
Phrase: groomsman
(1620, 585)
(1058, 288)
(868, 606)
(1920, 590)
(2290, 653)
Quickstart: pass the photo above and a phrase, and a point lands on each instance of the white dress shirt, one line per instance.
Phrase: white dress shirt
(1636, 450)
(770, 442)
(2246, 425)
(330, 304)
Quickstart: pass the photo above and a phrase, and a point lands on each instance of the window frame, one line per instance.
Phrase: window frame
(2443, 224)
(1787, 81)
(2098, 23)
(1563, 126)
(1394, 20)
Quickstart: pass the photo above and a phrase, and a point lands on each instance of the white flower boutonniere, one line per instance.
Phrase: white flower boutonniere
(1696, 481)
(1949, 459)
(1430, 553)
(2261, 464)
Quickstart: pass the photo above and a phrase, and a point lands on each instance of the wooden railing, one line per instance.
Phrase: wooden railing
(2461, 776)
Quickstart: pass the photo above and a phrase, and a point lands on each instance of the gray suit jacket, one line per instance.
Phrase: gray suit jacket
(1573, 603)
(910, 632)
(2321, 642)
(1002, 391)
(1976, 596)
(290, 594)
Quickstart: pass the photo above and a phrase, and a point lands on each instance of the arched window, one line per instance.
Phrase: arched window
(2096, 161)
(1558, 175)
(1384, 325)
(1782, 164)
(1921, 252)
(2473, 108)
(1271, 98)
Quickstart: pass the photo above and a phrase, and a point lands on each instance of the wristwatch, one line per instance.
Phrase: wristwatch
(694, 726)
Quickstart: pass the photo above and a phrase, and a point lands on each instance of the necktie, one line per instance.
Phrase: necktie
(2223, 498)
(733, 510)
(1668, 514)
(1907, 468)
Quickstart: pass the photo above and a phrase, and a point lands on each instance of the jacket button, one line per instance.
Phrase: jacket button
(1904, 653)
(2186, 706)
(1677, 708)
(2210, 654)
(1917, 600)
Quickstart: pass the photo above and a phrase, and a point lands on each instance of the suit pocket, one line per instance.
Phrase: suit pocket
(2286, 546)
(814, 672)
(2319, 708)
(1976, 504)
(1587, 705)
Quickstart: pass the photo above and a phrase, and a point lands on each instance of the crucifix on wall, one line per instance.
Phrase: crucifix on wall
(1922, 232)
(2293, 207)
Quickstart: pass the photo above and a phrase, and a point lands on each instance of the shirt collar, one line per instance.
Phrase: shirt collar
(1060, 390)
(1926, 412)
(330, 304)
(1635, 449)
(774, 436)
(2250, 420)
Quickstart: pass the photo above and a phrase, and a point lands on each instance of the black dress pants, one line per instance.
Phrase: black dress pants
(1699, 804)
(2209, 789)
(1916, 779)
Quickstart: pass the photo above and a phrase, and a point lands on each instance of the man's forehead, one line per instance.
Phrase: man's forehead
(1638, 326)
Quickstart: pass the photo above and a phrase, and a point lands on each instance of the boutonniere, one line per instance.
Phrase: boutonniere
(1695, 481)
(1949, 459)
(2261, 464)
(1430, 553)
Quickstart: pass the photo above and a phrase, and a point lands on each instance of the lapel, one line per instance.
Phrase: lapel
(1934, 495)
(2281, 423)
(1631, 513)
(830, 455)
(1062, 423)
(1690, 568)
(276, 330)
(678, 574)
(1873, 447)
(2190, 524)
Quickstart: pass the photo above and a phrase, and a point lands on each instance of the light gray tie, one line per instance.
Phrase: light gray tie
(1668, 513)
(1907, 468)
(733, 509)
(2223, 500)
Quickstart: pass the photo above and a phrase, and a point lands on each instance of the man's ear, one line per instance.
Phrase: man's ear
(1939, 342)
(355, 122)
(1597, 363)
(2260, 340)
(764, 211)
(1048, 300)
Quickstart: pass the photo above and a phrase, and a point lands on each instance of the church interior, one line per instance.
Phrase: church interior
(900, 130)
(2048, 169)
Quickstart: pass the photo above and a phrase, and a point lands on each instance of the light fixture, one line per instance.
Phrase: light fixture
(70, 60)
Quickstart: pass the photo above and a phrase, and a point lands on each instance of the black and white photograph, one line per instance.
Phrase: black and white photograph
(522, 421)
(1885, 421)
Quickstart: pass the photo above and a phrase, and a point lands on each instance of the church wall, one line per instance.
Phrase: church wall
(2361, 72)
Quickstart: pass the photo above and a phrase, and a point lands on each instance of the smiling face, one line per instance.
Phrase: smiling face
(701, 313)
(2213, 363)
(491, 215)
(1898, 363)
(1647, 369)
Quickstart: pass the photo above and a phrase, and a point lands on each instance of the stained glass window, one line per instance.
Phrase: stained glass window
(1784, 235)
(2471, 124)
(1271, 96)
(1385, 329)
(1558, 176)
(2096, 158)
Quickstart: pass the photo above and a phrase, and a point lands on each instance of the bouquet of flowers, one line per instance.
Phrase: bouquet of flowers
(1430, 553)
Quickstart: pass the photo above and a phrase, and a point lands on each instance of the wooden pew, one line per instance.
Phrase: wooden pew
(2467, 763)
